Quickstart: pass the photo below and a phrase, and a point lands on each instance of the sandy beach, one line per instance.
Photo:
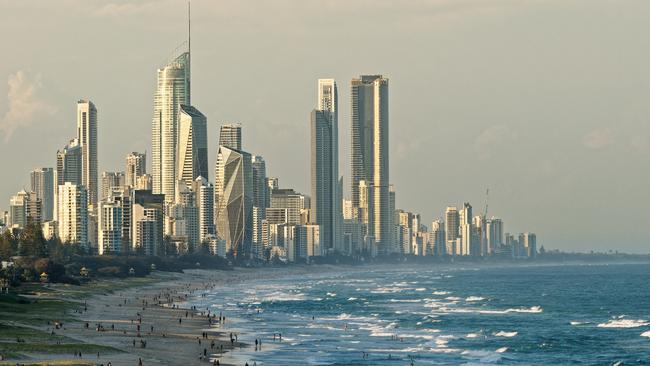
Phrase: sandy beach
(150, 324)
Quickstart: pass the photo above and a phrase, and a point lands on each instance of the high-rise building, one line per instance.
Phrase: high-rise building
(452, 225)
(42, 183)
(261, 200)
(72, 214)
(323, 184)
(204, 193)
(68, 164)
(233, 196)
(230, 136)
(494, 234)
(111, 180)
(530, 244)
(109, 229)
(173, 90)
(25, 208)
(369, 158)
(291, 200)
(147, 222)
(466, 237)
(326, 184)
(192, 156)
(261, 190)
(87, 135)
(136, 166)
(437, 238)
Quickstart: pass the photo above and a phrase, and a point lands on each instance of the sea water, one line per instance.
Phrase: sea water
(428, 315)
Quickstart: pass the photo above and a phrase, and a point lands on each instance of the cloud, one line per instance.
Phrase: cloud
(24, 103)
(598, 139)
(491, 137)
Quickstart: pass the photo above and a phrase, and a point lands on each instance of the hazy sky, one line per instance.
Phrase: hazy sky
(543, 101)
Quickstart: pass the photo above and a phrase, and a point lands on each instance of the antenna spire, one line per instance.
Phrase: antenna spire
(189, 27)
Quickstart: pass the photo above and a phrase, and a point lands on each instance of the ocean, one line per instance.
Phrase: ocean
(433, 315)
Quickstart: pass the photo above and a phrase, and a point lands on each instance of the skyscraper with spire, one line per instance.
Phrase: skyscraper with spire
(173, 90)
(325, 189)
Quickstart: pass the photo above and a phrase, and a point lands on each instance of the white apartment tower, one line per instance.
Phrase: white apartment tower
(87, 136)
(73, 214)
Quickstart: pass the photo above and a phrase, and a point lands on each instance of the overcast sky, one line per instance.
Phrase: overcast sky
(543, 101)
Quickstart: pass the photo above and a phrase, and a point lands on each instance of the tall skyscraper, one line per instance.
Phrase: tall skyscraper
(437, 238)
(72, 214)
(192, 156)
(87, 135)
(136, 166)
(323, 185)
(230, 136)
(369, 160)
(261, 201)
(173, 90)
(234, 200)
(466, 237)
(42, 183)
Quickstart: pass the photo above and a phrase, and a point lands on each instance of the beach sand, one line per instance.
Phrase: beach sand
(111, 319)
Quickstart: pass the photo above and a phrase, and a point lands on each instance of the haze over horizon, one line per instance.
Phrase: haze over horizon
(542, 101)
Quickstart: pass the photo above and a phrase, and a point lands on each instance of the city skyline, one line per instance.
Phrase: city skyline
(489, 138)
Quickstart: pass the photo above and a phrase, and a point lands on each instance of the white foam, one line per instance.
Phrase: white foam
(352, 299)
(575, 322)
(505, 334)
(646, 334)
(472, 335)
(440, 293)
(502, 349)
(474, 298)
(624, 323)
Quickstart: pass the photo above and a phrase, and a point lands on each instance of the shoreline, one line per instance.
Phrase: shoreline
(113, 309)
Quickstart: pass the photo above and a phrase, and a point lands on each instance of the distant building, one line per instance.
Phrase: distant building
(437, 238)
(25, 208)
(452, 225)
(87, 136)
(230, 136)
(204, 193)
(530, 244)
(73, 214)
(42, 183)
(110, 181)
(291, 200)
(494, 234)
(136, 166)
(147, 222)
(109, 229)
